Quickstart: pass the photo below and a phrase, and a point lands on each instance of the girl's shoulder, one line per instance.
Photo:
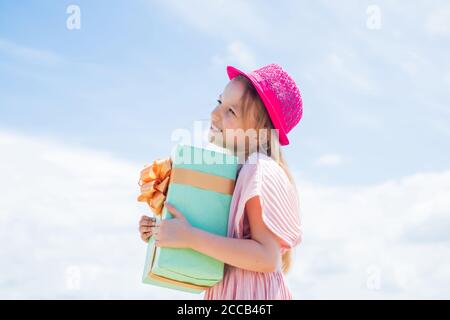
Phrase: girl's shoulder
(262, 175)
(261, 166)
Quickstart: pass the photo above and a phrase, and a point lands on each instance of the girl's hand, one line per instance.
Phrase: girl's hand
(145, 227)
(173, 233)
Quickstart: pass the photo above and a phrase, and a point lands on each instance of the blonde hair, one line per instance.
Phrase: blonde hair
(256, 116)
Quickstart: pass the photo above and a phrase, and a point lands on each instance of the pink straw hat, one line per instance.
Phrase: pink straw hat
(280, 96)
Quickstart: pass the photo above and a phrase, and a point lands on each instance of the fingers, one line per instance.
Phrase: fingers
(147, 219)
(145, 236)
(146, 225)
(150, 227)
(156, 234)
(147, 232)
(173, 211)
(158, 241)
(143, 229)
(155, 230)
(170, 208)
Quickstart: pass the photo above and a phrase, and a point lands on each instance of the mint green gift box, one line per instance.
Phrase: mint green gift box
(201, 187)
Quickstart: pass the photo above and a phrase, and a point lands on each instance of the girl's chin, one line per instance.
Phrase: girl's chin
(215, 138)
(216, 143)
(221, 144)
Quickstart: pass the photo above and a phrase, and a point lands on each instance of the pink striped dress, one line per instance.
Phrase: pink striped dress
(260, 175)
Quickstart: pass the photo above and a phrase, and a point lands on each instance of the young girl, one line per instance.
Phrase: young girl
(264, 222)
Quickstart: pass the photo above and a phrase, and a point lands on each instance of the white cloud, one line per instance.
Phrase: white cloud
(343, 68)
(68, 228)
(438, 22)
(222, 18)
(447, 79)
(399, 227)
(28, 54)
(329, 160)
(64, 209)
(237, 54)
(413, 64)
(441, 125)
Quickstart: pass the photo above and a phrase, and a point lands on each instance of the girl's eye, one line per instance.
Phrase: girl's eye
(232, 111)
(219, 102)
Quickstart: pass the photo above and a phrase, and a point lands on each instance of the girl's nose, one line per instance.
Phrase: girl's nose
(215, 115)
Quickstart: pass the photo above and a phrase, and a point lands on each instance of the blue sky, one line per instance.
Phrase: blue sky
(376, 101)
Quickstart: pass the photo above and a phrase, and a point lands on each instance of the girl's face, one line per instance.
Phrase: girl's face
(227, 117)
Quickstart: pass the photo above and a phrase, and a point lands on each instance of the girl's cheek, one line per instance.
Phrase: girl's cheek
(230, 122)
(226, 123)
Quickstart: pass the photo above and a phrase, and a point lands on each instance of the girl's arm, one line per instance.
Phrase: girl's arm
(261, 253)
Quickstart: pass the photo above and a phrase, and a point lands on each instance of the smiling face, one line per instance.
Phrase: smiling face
(228, 118)
(240, 122)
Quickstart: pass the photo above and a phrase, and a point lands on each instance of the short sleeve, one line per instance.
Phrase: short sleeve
(279, 200)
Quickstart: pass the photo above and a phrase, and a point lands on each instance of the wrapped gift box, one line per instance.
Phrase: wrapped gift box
(200, 183)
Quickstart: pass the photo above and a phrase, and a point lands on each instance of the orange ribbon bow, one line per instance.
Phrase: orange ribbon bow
(154, 182)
